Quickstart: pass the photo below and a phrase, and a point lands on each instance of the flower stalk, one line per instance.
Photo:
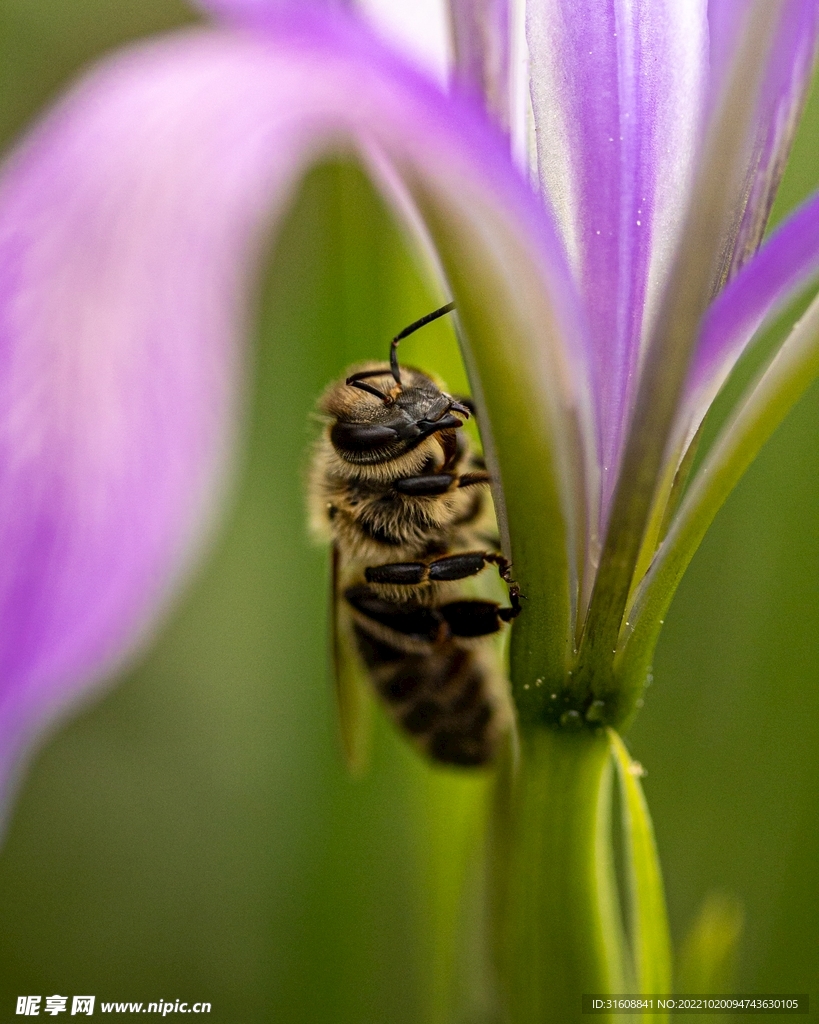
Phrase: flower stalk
(558, 925)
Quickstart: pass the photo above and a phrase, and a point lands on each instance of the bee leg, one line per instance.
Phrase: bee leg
(467, 403)
(451, 567)
(470, 479)
(459, 567)
(473, 618)
(405, 573)
(505, 573)
(446, 569)
(425, 486)
(402, 619)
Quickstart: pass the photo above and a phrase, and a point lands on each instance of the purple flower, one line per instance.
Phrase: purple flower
(131, 220)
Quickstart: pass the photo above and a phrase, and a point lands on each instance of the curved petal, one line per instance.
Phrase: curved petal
(248, 11)
(732, 320)
(684, 303)
(129, 224)
(616, 160)
(617, 93)
(789, 259)
(785, 264)
(766, 403)
(481, 32)
(790, 64)
(418, 30)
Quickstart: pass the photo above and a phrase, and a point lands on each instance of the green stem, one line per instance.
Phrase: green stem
(511, 348)
(558, 927)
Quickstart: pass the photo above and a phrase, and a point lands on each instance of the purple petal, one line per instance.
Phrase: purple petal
(785, 264)
(686, 297)
(482, 38)
(419, 31)
(129, 224)
(622, 93)
(617, 90)
(790, 67)
(249, 11)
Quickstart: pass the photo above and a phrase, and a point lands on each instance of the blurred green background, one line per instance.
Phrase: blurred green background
(192, 834)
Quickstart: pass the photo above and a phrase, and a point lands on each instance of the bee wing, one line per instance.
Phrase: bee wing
(353, 695)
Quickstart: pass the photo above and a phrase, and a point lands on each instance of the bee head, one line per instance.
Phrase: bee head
(379, 423)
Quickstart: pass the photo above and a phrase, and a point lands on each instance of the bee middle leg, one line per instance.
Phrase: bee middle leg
(447, 569)
(450, 567)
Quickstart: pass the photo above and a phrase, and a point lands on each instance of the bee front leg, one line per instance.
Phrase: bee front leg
(428, 486)
(467, 403)
(435, 484)
(470, 479)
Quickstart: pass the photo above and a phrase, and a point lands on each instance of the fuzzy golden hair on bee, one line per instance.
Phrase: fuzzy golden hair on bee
(397, 490)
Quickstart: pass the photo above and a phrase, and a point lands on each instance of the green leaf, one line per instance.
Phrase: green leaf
(708, 956)
(650, 942)
(455, 808)
(354, 702)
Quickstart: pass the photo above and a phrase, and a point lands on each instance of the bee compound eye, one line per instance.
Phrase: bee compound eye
(361, 437)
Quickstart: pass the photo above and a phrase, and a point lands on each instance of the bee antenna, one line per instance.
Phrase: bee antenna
(413, 327)
(364, 386)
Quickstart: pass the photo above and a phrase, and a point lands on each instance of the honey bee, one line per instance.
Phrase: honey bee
(402, 497)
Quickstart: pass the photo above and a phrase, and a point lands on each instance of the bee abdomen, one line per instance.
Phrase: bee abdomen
(442, 698)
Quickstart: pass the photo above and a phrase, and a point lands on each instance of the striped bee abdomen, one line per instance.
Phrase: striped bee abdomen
(436, 685)
(438, 697)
